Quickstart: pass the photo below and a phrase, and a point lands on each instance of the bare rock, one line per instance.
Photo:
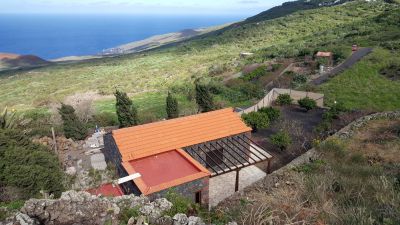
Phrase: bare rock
(165, 220)
(154, 210)
(192, 220)
(72, 208)
(180, 219)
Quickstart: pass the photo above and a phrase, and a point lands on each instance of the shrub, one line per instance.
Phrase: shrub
(284, 99)
(7, 119)
(273, 114)
(259, 72)
(239, 90)
(126, 111)
(127, 213)
(73, 127)
(307, 103)
(172, 106)
(105, 119)
(256, 120)
(180, 204)
(27, 167)
(281, 139)
(300, 79)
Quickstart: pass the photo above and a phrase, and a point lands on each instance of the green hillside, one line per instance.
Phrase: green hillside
(148, 74)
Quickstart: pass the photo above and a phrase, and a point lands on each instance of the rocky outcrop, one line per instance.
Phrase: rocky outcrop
(83, 208)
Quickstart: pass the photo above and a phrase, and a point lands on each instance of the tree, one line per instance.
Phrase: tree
(256, 120)
(204, 98)
(284, 99)
(172, 107)
(281, 139)
(27, 168)
(126, 111)
(273, 114)
(307, 103)
(73, 127)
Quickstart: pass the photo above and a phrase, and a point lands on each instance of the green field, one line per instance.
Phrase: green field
(363, 87)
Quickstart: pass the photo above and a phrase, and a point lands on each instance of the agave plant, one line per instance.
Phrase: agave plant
(7, 119)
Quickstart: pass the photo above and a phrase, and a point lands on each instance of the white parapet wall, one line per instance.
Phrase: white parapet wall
(274, 93)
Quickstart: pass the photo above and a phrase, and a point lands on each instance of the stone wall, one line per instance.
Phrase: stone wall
(231, 154)
(188, 190)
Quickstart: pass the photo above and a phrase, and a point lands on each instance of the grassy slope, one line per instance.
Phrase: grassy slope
(363, 87)
(158, 70)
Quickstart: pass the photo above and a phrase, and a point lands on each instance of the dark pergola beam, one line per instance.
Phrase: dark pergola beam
(245, 153)
(217, 142)
(205, 161)
(246, 160)
(249, 141)
(216, 156)
(227, 158)
(210, 158)
(249, 147)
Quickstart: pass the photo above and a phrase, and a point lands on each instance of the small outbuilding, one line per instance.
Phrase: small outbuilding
(328, 56)
(183, 154)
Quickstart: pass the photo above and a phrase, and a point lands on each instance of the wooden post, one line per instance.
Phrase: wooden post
(237, 181)
(54, 140)
(269, 166)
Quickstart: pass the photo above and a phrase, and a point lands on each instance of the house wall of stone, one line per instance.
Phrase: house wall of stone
(231, 154)
(188, 190)
(113, 156)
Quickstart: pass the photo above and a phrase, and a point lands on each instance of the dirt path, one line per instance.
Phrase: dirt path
(353, 59)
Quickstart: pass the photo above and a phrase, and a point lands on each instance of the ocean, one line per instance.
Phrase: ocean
(55, 36)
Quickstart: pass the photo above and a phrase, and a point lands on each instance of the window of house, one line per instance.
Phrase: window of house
(198, 197)
(215, 157)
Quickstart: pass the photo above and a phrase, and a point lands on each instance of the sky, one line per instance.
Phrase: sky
(244, 7)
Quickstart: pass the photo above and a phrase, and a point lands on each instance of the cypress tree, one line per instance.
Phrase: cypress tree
(204, 98)
(126, 111)
(172, 107)
(73, 127)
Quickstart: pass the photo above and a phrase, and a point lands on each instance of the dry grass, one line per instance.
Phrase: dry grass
(343, 187)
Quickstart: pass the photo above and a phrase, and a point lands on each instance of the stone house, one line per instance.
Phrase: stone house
(182, 154)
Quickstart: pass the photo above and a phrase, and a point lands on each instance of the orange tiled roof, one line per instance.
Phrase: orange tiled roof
(324, 54)
(165, 170)
(150, 139)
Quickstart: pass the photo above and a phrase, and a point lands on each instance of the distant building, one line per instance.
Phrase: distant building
(183, 154)
(328, 56)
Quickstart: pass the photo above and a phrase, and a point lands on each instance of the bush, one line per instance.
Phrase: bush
(300, 79)
(172, 106)
(28, 167)
(180, 204)
(256, 120)
(259, 72)
(73, 127)
(281, 139)
(127, 213)
(105, 119)
(273, 114)
(239, 90)
(307, 103)
(284, 99)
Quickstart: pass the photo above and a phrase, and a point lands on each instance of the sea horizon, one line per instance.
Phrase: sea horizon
(52, 36)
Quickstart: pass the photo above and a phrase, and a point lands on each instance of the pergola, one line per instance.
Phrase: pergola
(239, 159)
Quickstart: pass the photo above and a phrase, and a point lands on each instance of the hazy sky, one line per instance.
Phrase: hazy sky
(245, 7)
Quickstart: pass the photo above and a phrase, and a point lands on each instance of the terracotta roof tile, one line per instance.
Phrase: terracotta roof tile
(150, 139)
(324, 54)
